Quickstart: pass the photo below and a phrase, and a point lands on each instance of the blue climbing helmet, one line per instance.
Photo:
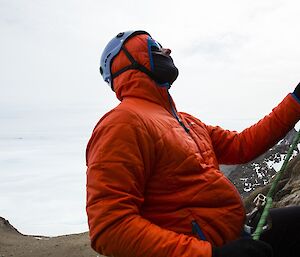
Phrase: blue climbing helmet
(112, 49)
(162, 69)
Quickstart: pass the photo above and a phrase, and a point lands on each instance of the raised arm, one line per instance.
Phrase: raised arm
(234, 148)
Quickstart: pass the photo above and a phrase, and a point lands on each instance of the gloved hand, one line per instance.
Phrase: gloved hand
(297, 91)
(244, 247)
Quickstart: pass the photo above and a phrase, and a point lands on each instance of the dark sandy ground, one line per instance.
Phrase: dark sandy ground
(14, 244)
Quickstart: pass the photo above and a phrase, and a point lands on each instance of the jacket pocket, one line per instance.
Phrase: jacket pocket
(196, 230)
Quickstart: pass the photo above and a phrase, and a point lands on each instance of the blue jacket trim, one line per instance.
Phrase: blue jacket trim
(197, 230)
(296, 98)
(150, 53)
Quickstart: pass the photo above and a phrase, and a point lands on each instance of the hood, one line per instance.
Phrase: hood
(134, 83)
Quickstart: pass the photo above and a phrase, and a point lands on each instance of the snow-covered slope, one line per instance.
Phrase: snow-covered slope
(247, 177)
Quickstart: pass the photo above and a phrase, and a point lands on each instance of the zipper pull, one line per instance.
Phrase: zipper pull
(187, 130)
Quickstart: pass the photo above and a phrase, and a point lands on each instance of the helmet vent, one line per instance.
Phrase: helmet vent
(121, 34)
(106, 59)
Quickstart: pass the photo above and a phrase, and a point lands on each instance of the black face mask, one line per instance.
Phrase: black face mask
(164, 69)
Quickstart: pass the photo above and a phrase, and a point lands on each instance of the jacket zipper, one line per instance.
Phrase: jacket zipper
(187, 130)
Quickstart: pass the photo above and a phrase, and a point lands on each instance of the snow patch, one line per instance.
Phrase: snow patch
(275, 164)
(41, 238)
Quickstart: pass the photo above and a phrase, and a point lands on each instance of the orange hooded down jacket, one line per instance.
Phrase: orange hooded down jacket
(149, 181)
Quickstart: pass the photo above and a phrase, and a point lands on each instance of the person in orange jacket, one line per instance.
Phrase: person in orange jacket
(154, 186)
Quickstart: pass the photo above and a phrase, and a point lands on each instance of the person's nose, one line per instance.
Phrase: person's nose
(166, 51)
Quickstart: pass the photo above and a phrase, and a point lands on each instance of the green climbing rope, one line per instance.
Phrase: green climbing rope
(263, 218)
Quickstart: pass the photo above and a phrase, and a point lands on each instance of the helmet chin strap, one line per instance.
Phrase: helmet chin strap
(135, 66)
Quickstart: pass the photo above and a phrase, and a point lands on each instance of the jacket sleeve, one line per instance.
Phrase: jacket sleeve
(235, 148)
(119, 160)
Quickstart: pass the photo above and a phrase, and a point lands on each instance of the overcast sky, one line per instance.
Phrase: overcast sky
(237, 60)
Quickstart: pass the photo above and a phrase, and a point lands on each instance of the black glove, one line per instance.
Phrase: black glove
(244, 247)
(297, 91)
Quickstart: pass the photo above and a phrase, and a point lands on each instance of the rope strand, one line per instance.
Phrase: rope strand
(259, 229)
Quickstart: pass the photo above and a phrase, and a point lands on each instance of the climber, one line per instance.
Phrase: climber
(154, 187)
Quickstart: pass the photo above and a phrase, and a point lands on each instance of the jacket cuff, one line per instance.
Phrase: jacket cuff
(295, 97)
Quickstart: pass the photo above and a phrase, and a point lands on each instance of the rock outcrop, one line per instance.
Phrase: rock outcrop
(287, 192)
